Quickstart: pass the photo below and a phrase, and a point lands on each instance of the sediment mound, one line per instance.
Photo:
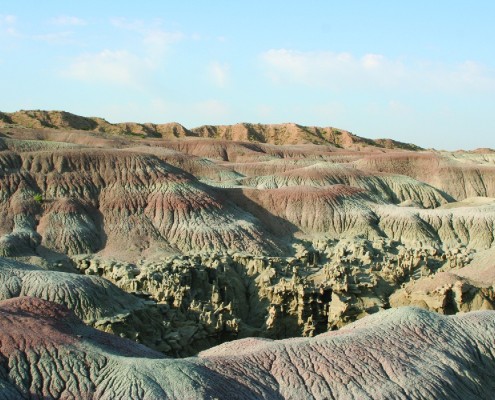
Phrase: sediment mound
(90, 297)
(40, 119)
(94, 199)
(146, 198)
(333, 210)
(389, 187)
(49, 354)
(459, 175)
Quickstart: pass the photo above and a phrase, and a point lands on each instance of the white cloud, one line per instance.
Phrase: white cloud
(212, 111)
(8, 19)
(7, 24)
(124, 23)
(467, 75)
(126, 67)
(66, 20)
(219, 74)
(370, 61)
(343, 71)
(114, 67)
(154, 37)
(161, 38)
(55, 37)
(157, 41)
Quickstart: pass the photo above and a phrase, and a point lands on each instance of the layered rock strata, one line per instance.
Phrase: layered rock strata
(205, 239)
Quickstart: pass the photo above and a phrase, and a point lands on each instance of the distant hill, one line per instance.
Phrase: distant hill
(288, 133)
(291, 133)
(65, 120)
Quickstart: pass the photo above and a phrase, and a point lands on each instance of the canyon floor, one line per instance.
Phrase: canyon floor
(243, 261)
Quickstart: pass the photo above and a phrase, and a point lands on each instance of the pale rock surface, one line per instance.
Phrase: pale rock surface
(462, 286)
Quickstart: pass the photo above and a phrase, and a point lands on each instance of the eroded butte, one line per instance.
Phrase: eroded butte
(185, 239)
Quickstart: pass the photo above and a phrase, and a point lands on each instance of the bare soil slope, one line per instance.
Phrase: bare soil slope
(48, 353)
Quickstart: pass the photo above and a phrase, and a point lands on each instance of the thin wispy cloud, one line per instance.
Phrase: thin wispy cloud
(110, 67)
(212, 110)
(129, 24)
(129, 67)
(8, 25)
(64, 37)
(7, 19)
(153, 29)
(219, 74)
(342, 71)
(155, 39)
(65, 20)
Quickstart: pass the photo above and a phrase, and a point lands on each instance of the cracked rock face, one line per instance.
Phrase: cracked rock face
(47, 352)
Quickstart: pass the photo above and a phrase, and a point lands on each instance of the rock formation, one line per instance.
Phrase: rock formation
(65, 120)
(458, 174)
(275, 133)
(407, 353)
(101, 198)
(462, 286)
(186, 239)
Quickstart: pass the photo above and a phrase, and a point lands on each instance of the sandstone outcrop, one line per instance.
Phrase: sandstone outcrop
(211, 298)
(461, 286)
(265, 133)
(64, 120)
(294, 134)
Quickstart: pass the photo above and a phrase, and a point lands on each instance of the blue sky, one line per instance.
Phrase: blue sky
(421, 72)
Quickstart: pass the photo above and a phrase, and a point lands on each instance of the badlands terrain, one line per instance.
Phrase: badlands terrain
(243, 261)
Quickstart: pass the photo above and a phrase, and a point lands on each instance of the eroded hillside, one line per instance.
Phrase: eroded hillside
(225, 232)
(55, 356)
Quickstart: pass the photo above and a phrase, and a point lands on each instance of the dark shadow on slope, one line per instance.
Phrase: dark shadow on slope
(282, 229)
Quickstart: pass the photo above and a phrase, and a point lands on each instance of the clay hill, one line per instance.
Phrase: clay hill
(184, 240)
(405, 353)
